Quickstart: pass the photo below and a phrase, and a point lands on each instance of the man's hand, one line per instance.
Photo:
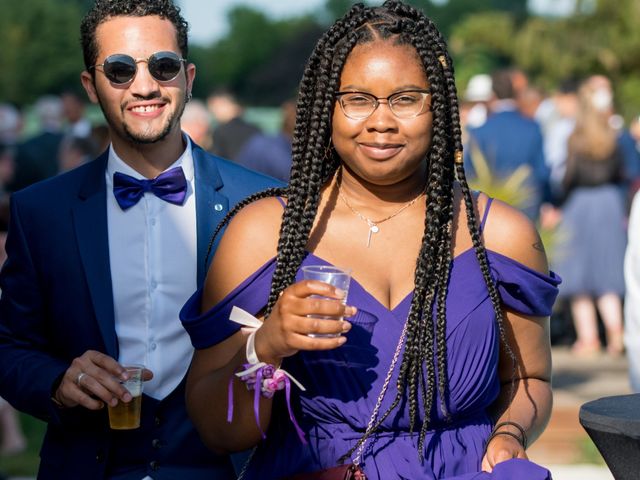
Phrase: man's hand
(93, 380)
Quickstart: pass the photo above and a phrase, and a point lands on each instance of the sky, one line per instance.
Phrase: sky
(207, 18)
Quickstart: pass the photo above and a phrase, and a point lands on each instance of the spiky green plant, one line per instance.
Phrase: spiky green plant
(512, 189)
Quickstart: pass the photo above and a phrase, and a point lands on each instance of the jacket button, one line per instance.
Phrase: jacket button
(156, 443)
(154, 465)
(99, 457)
(218, 207)
(157, 421)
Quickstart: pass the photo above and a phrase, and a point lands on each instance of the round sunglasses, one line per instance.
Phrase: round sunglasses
(121, 69)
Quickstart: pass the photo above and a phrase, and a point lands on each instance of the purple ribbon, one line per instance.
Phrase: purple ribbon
(287, 391)
(254, 381)
(170, 186)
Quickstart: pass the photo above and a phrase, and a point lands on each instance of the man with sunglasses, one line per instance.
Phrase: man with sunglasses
(101, 259)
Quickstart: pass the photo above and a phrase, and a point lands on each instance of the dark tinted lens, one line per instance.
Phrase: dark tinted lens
(164, 66)
(119, 68)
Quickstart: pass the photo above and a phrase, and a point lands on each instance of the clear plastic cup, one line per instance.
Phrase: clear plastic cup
(338, 277)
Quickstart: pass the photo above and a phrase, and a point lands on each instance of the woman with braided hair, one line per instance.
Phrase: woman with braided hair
(439, 364)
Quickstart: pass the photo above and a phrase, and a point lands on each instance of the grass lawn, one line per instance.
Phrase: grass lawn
(26, 463)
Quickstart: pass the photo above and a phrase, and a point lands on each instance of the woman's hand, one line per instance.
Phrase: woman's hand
(501, 448)
(287, 328)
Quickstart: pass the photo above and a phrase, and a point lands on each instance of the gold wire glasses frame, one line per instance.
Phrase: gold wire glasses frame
(405, 104)
(121, 68)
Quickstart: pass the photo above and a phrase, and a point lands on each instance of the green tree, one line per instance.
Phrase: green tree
(604, 39)
(260, 59)
(482, 42)
(40, 49)
(337, 8)
(599, 38)
(449, 14)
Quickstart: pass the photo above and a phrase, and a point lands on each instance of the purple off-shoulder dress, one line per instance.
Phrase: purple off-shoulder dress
(342, 385)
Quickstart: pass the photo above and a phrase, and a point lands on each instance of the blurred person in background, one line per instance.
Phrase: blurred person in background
(101, 137)
(632, 295)
(530, 100)
(634, 130)
(474, 107)
(592, 229)
(76, 151)
(271, 154)
(196, 122)
(10, 124)
(73, 105)
(12, 439)
(37, 157)
(519, 82)
(557, 117)
(603, 101)
(508, 140)
(232, 131)
(7, 170)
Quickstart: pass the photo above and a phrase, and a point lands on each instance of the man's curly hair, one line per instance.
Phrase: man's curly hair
(103, 10)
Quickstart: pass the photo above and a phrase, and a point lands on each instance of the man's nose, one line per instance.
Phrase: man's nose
(143, 84)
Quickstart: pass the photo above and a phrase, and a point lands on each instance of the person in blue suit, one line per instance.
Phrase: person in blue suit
(509, 140)
(100, 260)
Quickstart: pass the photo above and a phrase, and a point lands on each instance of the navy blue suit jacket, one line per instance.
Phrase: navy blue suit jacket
(57, 303)
(507, 140)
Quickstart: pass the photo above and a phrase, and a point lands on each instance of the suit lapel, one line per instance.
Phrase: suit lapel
(211, 204)
(90, 223)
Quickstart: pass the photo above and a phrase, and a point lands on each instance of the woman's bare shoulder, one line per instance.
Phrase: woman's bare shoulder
(511, 233)
(249, 241)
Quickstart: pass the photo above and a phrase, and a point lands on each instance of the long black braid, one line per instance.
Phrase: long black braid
(314, 162)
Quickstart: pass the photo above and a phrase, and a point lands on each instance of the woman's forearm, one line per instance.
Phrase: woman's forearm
(208, 404)
(528, 403)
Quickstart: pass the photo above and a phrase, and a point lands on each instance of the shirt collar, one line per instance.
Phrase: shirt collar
(504, 105)
(116, 164)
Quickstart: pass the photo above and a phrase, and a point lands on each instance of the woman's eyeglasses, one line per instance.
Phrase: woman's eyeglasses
(360, 105)
(121, 69)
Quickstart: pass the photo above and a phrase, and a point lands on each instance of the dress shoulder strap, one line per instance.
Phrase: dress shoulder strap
(280, 199)
(486, 213)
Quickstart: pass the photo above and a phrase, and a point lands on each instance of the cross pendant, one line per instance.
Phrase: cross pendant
(373, 228)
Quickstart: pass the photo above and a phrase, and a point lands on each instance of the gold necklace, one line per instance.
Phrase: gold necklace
(373, 224)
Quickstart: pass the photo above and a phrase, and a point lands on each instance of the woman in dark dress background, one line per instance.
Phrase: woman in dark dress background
(592, 232)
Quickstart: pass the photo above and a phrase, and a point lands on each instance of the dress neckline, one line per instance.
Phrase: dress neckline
(405, 299)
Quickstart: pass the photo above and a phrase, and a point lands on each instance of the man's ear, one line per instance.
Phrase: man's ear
(88, 82)
(190, 72)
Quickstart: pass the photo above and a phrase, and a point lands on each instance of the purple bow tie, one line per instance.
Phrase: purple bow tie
(170, 186)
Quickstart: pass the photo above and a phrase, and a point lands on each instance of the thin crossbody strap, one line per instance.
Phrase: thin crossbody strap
(385, 386)
(246, 464)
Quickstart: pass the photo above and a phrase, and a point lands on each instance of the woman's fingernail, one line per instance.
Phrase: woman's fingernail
(350, 311)
(346, 326)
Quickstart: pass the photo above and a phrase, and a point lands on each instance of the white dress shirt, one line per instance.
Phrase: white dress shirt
(153, 258)
(632, 295)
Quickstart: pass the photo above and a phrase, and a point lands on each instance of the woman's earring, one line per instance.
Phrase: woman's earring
(328, 151)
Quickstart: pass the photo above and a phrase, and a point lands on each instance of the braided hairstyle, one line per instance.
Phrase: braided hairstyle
(314, 162)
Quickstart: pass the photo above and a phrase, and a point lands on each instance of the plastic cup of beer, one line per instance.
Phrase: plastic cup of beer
(338, 277)
(126, 416)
